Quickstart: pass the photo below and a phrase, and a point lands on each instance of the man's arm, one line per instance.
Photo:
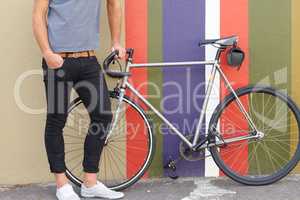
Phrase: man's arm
(114, 11)
(39, 25)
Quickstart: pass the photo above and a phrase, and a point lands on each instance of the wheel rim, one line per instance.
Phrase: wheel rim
(268, 158)
(125, 157)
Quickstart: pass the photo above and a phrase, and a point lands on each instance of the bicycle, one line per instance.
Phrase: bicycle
(127, 156)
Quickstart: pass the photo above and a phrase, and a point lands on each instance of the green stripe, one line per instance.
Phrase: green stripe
(270, 62)
(155, 77)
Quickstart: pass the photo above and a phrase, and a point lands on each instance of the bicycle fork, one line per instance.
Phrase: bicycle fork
(121, 94)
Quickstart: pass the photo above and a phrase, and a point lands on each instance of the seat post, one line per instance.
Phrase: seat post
(219, 52)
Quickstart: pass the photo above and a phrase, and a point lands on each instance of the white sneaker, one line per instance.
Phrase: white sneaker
(100, 191)
(66, 192)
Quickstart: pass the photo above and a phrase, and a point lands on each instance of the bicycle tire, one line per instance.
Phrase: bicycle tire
(250, 179)
(150, 152)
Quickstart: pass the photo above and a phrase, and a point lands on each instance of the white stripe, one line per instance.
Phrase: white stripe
(212, 29)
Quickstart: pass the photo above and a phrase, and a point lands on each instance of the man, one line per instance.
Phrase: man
(67, 32)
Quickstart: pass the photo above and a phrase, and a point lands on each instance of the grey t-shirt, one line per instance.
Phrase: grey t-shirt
(73, 25)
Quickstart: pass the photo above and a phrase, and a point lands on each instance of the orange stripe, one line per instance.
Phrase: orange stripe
(233, 25)
(136, 37)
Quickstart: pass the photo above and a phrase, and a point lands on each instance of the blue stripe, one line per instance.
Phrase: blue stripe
(184, 27)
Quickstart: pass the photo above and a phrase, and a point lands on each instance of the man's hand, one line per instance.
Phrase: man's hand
(39, 25)
(122, 50)
(53, 60)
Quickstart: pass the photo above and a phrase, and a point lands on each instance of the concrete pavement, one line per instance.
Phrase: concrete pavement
(181, 189)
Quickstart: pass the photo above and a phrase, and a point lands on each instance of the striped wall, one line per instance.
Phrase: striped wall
(274, 67)
(212, 30)
(179, 82)
(295, 81)
(155, 76)
(169, 30)
(238, 78)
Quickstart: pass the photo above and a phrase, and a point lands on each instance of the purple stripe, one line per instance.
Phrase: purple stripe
(184, 27)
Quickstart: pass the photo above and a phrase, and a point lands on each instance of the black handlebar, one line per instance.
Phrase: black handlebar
(112, 57)
(109, 59)
(130, 52)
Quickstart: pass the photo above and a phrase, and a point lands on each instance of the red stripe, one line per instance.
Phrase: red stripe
(234, 21)
(136, 37)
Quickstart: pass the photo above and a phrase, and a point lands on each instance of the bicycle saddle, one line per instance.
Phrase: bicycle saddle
(227, 41)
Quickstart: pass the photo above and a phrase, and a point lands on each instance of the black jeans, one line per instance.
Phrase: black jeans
(86, 77)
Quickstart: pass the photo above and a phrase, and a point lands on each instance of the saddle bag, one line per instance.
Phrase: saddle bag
(235, 56)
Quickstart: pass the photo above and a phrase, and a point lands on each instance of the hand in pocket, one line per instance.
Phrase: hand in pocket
(53, 60)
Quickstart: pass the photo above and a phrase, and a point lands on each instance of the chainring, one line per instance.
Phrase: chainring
(187, 154)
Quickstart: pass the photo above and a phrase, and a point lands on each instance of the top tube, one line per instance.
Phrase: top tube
(165, 64)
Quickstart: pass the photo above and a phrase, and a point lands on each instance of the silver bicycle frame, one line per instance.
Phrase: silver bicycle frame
(216, 68)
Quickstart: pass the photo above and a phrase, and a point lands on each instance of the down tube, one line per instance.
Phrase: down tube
(172, 127)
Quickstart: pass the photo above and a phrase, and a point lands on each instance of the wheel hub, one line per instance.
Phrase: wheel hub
(260, 135)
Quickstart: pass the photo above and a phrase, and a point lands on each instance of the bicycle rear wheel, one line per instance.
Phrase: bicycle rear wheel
(268, 158)
(129, 150)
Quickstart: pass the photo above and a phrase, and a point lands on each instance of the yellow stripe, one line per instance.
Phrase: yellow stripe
(295, 65)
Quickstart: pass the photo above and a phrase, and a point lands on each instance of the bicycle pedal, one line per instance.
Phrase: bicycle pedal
(171, 165)
(174, 177)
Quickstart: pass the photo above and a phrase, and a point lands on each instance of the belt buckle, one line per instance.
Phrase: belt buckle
(77, 55)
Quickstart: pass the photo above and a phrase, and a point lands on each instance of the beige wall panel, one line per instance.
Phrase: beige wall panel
(23, 158)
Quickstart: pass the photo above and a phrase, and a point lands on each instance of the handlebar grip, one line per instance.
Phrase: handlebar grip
(130, 52)
(110, 59)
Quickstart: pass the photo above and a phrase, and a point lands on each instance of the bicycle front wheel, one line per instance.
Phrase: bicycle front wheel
(273, 153)
(128, 152)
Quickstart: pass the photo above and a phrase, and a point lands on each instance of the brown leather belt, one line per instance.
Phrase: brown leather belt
(82, 54)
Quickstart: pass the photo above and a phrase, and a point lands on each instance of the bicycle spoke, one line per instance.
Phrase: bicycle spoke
(270, 157)
(73, 158)
(75, 137)
(269, 154)
(73, 150)
(116, 164)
